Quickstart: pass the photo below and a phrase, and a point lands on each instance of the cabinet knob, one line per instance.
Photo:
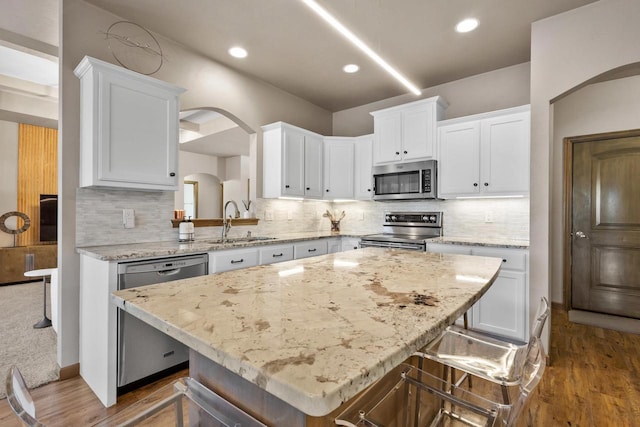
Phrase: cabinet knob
(327, 190)
(486, 184)
(308, 188)
(397, 153)
(286, 186)
(172, 174)
(475, 184)
(405, 151)
(368, 189)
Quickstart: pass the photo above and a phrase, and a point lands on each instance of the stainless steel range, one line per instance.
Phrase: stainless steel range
(406, 230)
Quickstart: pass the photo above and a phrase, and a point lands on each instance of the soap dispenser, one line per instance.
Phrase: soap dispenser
(183, 231)
(191, 228)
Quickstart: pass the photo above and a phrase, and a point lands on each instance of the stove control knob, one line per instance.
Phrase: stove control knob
(387, 218)
(425, 218)
(393, 218)
(433, 218)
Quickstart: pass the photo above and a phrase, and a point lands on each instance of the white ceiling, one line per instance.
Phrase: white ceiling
(294, 50)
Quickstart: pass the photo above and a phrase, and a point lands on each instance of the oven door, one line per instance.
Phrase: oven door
(393, 245)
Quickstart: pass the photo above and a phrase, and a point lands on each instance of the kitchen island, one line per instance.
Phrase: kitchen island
(298, 339)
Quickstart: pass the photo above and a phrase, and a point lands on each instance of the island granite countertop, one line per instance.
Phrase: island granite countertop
(314, 332)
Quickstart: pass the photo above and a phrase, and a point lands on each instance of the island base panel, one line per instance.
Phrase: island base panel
(262, 405)
(251, 398)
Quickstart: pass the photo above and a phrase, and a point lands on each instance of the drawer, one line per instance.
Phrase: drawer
(234, 260)
(512, 259)
(272, 254)
(311, 248)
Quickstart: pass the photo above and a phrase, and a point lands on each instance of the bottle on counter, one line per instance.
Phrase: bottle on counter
(183, 231)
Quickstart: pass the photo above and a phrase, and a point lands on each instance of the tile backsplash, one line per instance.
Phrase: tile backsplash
(99, 217)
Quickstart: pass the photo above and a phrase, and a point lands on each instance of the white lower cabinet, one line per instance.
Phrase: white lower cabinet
(234, 259)
(350, 243)
(276, 253)
(334, 245)
(310, 248)
(504, 309)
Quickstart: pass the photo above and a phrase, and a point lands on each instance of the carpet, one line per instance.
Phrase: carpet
(33, 351)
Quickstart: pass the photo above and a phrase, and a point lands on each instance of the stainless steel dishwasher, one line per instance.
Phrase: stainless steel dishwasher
(142, 349)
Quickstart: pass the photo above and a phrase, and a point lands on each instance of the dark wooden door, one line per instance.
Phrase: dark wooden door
(605, 270)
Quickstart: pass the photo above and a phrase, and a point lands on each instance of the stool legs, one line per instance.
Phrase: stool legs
(45, 322)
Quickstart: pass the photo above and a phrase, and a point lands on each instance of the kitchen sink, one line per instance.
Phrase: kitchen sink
(237, 240)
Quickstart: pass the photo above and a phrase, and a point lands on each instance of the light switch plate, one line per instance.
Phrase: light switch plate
(128, 218)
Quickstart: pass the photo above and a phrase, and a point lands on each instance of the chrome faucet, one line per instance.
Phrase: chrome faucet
(226, 223)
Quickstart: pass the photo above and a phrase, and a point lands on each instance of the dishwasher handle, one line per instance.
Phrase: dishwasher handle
(170, 272)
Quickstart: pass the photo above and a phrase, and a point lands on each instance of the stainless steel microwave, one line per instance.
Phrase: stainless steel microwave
(405, 181)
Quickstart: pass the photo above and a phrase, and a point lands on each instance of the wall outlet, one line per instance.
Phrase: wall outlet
(128, 218)
(268, 215)
(289, 215)
(488, 216)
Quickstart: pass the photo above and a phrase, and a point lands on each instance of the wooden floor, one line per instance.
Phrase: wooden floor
(594, 380)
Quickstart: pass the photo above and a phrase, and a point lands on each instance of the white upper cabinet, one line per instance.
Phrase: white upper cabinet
(485, 155)
(313, 152)
(363, 165)
(292, 162)
(128, 128)
(407, 132)
(338, 168)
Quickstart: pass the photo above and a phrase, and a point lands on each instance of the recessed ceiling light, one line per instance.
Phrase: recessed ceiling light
(467, 25)
(350, 68)
(238, 52)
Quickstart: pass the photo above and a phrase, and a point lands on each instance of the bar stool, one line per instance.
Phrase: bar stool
(44, 273)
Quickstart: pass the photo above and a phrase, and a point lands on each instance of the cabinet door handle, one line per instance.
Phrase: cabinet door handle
(504, 260)
(405, 151)
(172, 174)
(286, 186)
(397, 153)
(277, 255)
(475, 184)
(241, 260)
(486, 184)
(308, 188)
(312, 250)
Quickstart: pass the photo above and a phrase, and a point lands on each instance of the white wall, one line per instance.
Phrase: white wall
(194, 163)
(495, 90)
(8, 176)
(566, 51)
(597, 108)
(235, 183)
(208, 194)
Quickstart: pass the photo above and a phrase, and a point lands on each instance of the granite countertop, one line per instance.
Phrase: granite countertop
(483, 241)
(314, 332)
(168, 248)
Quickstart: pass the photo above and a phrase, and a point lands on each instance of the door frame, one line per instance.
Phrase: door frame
(566, 199)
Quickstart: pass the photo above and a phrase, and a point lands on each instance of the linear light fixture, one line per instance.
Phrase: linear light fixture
(331, 20)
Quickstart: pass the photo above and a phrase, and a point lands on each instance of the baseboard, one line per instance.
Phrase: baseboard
(557, 305)
(617, 323)
(70, 371)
